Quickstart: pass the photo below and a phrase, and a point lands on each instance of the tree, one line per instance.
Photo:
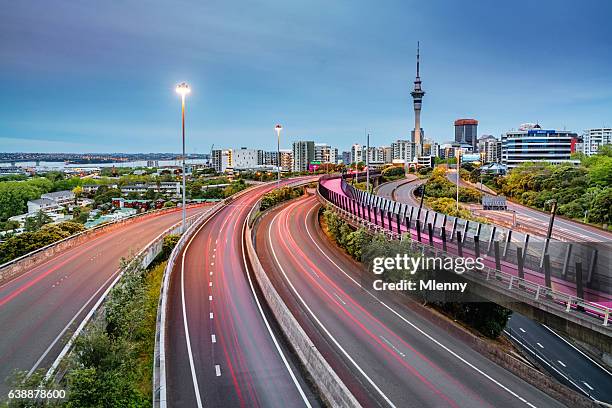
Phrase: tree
(35, 223)
(78, 191)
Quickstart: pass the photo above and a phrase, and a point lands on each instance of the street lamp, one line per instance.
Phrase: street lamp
(278, 129)
(183, 89)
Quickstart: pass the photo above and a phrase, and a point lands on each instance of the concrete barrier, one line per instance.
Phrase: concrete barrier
(331, 387)
(22, 264)
(143, 259)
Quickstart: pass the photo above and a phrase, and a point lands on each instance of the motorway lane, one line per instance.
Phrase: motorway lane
(402, 190)
(538, 221)
(387, 354)
(220, 352)
(38, 306)
(560, 358)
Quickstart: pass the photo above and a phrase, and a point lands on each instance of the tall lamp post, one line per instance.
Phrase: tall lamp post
(278, 129)
(183, 89)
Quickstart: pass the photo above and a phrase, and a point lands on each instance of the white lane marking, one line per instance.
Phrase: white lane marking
(547, 363)
(218, 370)
(329, 335)
(212, 264)
(214, 249)
(561, 362)
(213, 255)
(577, 349)
(339, 298)
(211, 315)
(194, 377)
(539, 345)
(210, 273)
(523, 330)
(392, 346)
(61, 334)
(587, 384)
(213, 338)
(280, 351)
(210, 297)
(451, 352)
(210, 284)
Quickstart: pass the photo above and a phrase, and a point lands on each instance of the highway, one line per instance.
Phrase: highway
(387, 354)
(562, 360)
(223, 350)
(38, 308)
(402, 190)
(537, 221)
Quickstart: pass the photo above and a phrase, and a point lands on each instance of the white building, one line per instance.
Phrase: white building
(244, 158)
(357, 153)
(537, 144)
(286, 159)
(490, 149)
(324, 153)
(593, 139)
(403, 150)
(303, 154)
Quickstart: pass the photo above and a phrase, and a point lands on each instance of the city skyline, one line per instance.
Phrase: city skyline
(325, 77)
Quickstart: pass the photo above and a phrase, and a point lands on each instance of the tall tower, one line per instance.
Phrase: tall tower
(417, 97)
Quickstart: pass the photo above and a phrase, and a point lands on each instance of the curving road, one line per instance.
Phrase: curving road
(387, 354)
(537, 221)
(223, 350)
(402, 190)
(39, 308)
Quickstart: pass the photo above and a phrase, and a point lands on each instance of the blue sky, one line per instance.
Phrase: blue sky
(77, 77)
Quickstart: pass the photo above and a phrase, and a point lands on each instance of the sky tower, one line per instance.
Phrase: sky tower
(417, 97)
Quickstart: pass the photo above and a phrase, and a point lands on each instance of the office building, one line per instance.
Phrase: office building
(303, 154)
(537, 144)
(270, 158)
(593, 139)
(346, 157)
(466, 133)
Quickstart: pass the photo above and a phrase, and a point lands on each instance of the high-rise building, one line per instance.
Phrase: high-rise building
(403, 150)
(417, 100)
(222, 160)
(376, 155)
(593, 139)
(357, 153)
(286, 159)
(303, 154)
(324, 153)
(270, 158)
(431, 148)
(490, 149)
(387, 154)
(466, 133)
(346, 157)
(537, 144)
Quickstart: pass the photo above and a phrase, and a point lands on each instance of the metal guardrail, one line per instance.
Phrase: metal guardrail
(502, 280)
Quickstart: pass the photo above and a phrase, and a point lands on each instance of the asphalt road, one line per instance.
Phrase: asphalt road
(39, 308)
(387, 354)
(220, 350)
(560, 358)
(537, 221)
(402, 190)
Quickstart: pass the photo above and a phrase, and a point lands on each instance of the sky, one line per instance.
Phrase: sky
(100, 76)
